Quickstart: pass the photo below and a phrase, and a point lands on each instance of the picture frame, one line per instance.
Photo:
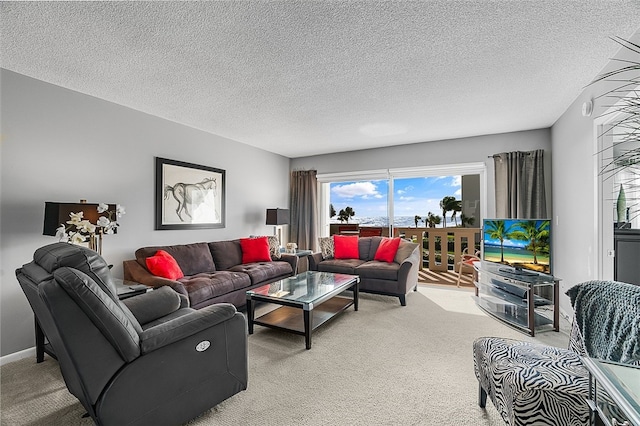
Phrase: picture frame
(189, 196)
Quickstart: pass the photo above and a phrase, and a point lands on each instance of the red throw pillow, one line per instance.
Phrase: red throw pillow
(162, 264)
(345, 247)
(255, 250)
(387, 249)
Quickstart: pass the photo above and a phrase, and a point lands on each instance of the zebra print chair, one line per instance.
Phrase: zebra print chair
(535, 384)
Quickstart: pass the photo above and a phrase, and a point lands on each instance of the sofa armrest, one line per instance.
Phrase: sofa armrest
(292, 259)
(408, 273)
(133, 271)
(314, 260)
(186, 325)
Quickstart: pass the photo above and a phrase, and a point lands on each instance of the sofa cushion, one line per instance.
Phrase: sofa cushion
(346, 247)
(326, 247)
(378, 270)
(387, 250)
(205, 286)
(364, 248)
(226, 254)
(274, 247)
(404, 250)
(255, 250)
(162, 264)
(192, 258)
(373, 247)
(260, 272)
(340, 266)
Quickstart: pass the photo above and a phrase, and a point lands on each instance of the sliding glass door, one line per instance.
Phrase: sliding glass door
(359, 207)
(402, 201)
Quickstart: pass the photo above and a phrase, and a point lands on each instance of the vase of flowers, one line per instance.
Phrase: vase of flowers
(78, 230)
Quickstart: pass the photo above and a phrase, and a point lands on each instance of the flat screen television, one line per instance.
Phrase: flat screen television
(523, 244)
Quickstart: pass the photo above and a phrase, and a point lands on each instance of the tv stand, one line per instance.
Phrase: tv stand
(505, 292)
(517, 271)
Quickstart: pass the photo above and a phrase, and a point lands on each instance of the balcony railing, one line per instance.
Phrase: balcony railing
(442, 247)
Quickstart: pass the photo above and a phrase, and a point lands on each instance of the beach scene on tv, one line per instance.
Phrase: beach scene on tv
(519, 243)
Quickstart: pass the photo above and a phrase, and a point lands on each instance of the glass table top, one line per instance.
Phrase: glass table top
(622, 384)
(305, 288)
(626, 379)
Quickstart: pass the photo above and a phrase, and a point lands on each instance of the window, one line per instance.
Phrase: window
(395, 198)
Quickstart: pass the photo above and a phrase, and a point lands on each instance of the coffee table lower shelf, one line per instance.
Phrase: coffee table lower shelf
(292, 319)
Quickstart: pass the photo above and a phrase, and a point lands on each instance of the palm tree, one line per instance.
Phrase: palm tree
(457, 207)
(417, 219)
(497, 230)
(332, 211)
(537, 233)
(447, 204)
(467, 220)
(432, 220)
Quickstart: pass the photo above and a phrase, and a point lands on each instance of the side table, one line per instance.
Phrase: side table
(124, 289)
(614, 393)
(302, 254)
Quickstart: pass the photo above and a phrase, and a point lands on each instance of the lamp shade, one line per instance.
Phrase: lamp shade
(277, 216)
(58, 213)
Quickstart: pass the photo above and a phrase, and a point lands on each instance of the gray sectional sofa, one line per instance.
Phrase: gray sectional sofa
(213, 272)
(397, 278)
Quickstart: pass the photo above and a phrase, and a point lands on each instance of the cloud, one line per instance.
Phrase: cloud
(456, 180)
(404, 190)
(356, 189)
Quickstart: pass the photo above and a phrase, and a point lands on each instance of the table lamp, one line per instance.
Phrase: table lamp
(278, 217)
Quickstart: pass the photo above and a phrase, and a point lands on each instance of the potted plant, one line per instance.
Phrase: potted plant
(623, 105)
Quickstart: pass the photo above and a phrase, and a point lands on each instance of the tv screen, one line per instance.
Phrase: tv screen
(519, 243)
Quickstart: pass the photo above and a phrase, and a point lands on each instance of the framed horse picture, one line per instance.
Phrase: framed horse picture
(189, 196)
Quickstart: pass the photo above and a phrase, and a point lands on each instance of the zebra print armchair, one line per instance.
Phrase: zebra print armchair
(535, 384)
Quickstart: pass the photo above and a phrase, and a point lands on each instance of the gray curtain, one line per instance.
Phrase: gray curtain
(519, 180)
(304, 208)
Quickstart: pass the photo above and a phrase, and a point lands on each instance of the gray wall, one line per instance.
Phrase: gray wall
(454, 151)
(60, 145)
(575, 245)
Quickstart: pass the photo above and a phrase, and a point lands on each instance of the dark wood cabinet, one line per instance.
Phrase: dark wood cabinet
(626, 266)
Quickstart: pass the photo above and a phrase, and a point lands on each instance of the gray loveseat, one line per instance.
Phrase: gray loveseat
(393, 279)
(213, 272)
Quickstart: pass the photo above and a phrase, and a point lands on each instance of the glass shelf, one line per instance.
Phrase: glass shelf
(505, 293)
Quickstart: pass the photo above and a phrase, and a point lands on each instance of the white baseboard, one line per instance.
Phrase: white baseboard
(26, 353)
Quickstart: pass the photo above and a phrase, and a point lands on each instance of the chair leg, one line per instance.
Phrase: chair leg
(482, 396)
(459, 275)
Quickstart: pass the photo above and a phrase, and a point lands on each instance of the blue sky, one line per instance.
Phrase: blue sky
(412, 196)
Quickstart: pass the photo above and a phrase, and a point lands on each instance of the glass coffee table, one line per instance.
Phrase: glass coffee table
(308, 300)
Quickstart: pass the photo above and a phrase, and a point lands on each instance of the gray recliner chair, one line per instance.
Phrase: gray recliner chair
(149, 359)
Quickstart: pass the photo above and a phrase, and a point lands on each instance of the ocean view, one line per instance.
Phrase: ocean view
(399, 221)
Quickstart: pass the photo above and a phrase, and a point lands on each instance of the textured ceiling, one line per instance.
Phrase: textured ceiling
(309, 77)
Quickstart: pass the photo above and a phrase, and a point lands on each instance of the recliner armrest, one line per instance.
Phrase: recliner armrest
(153, 304)
(185, 326)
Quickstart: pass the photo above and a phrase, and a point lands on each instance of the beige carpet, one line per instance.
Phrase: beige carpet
(382, 365)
